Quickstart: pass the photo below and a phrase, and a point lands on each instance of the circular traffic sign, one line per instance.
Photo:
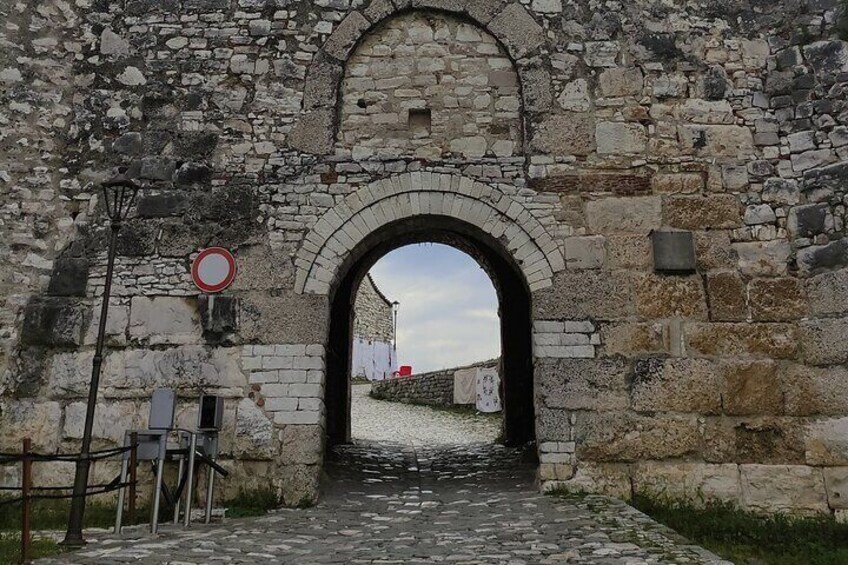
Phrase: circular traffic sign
(213, 269)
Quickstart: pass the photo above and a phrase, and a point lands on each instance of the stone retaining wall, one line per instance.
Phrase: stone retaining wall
(429, 389)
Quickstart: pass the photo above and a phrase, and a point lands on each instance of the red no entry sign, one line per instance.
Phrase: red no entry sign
(213, 269)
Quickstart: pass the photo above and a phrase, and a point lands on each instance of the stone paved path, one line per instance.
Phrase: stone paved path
(397, 504)
(380, 420)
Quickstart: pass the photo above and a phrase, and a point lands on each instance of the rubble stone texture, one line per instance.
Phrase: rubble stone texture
(373, 318)
(561, 133)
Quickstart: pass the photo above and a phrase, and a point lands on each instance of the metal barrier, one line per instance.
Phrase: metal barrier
(29, 492)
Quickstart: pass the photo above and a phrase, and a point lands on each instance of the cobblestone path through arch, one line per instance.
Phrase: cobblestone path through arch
(391, 503)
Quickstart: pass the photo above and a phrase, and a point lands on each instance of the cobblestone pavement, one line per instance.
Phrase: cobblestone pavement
(397, 504)
(381, 420)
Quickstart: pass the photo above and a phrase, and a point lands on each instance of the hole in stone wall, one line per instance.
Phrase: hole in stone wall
(420, 121)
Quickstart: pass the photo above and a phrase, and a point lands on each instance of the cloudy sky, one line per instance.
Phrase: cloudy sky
(448, 314)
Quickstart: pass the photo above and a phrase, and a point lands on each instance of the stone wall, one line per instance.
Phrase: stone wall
(373, 315)
(724, 119)
(429, 389)
(432, 86)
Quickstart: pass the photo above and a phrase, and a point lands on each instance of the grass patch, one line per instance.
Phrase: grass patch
(10, 548)
(751, 539)
(252, 503)
(53, 515)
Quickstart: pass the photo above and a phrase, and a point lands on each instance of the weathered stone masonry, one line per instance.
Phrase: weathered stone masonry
(564, 130)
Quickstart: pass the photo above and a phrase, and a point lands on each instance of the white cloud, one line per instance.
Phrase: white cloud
(448, 306)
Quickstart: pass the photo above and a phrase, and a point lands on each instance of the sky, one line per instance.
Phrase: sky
(448, 313)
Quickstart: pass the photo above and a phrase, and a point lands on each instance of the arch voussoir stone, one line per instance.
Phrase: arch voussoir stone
(388, 200)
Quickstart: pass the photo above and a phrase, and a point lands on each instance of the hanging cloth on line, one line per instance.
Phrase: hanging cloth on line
(488, 390)
(465, 386)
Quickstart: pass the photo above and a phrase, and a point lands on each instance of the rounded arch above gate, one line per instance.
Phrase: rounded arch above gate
(508, 22)
(383, 202)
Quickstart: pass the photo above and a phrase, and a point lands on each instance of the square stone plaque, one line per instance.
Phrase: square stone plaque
(674, 252)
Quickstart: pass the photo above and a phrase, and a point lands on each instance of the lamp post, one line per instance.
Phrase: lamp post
(119, 195)
(395, 305)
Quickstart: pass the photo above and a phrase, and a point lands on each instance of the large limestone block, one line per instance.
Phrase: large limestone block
(776, 300)
(713, 251)
(116, 325)
(783, 488)
(608, 479)
(536, 85)
(660, 296)
(616, 138)
(582, 384)
(628, 437)
(517, 29)
(727, 297)
(186, 368)
(778, 341)
(676, 385)
(621, 81)
(768, 440)
(313, 133)
(827, 442)
(694, 482)
(716, 140)
(825, 342)
(283, 317)
(821, 258)
(633, 338)
(763, 258)
(628, 251)
(298, 484)
(717, 211)
(827, 293)
(262, 267)
(347, 33)
(635, 214)
(587, 252)
(751, 388)
(111, 419)
(253, 477)
(53, 322)
(254, 432)
(814, 391)
(553, 424)
(322, 82)
(70, 373)
(39, 421)
(165, 320)
(562, 135)
(836, 482)
(303, 445)
(577, 295)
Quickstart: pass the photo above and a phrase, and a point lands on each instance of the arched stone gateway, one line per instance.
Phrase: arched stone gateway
(558, 146)
(409, 195)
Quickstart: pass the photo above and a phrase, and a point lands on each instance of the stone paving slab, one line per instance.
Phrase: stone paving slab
(396, 504)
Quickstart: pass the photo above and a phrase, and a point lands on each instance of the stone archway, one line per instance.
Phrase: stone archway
(493, 227)
(509, 23)
(382, 202)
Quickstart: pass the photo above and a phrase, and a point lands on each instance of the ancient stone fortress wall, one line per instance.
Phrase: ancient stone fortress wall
(724, 119)
(373, 315)
(434, 388)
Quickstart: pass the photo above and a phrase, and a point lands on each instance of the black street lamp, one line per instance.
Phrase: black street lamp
(119, 195)
(395, 306)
